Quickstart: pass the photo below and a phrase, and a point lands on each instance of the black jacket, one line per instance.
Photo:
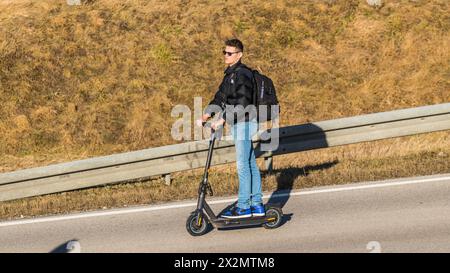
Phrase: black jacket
(236, 89)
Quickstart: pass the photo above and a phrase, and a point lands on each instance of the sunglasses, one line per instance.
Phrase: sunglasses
(229, 53)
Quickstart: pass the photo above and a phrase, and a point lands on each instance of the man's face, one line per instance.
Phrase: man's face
(233, 57)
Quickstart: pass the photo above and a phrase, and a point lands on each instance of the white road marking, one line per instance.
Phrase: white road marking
(193, 204)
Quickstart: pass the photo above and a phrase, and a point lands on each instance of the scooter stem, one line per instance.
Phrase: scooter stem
(209, 156)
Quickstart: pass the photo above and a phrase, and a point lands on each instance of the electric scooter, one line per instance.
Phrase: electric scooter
(200, 220)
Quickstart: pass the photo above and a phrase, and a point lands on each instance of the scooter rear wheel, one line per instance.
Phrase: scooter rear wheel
(194, 228)
(274, 215)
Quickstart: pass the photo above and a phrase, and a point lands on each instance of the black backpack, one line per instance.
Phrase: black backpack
(264, 95)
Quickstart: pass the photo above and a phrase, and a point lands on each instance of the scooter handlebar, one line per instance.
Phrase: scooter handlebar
(208, 125)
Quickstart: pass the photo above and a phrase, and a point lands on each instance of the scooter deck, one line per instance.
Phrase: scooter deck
(239, 222)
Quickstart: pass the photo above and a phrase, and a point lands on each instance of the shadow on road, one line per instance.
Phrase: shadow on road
(285, 183)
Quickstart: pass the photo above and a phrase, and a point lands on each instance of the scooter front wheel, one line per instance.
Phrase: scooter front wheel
(196, 227)
(274, 216)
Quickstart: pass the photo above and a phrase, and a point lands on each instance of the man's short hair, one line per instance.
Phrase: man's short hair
(235, 43)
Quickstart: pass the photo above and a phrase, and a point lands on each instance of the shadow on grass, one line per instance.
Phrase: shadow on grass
(285, 183)
(286, 178)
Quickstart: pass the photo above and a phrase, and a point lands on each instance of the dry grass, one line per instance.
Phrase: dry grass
(102, 78)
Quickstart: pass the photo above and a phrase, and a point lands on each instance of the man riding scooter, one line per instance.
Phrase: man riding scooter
(236, 90)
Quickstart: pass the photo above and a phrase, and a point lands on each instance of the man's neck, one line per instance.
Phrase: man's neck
(234, 63)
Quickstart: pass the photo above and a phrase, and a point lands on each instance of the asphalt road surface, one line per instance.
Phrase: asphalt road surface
(402, 215)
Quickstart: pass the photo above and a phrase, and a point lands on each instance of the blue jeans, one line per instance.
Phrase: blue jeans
(248, 172)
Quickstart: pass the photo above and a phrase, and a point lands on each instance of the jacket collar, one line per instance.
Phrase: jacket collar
(232, 68)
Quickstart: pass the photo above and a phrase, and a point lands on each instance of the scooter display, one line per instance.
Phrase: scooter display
(199, 221)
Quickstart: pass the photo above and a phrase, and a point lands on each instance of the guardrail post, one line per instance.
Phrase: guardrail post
(269, 163)
(167, 179)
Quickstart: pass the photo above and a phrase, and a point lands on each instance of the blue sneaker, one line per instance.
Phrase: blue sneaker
(258, 210)
(237, 212)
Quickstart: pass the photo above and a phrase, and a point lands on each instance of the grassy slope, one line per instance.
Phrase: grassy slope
(102, 78)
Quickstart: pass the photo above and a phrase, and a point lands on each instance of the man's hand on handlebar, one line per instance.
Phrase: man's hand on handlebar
(216, 125)
(200, 122)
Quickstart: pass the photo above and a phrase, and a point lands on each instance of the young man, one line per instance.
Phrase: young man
(236, 92)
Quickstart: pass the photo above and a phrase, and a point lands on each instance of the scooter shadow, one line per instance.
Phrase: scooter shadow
(286, 178)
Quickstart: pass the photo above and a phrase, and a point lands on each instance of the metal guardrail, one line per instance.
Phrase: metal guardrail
(191, 155)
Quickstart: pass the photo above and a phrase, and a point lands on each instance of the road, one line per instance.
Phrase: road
(401, 215)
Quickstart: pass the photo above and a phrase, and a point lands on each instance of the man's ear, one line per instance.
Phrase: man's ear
(240, 55)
